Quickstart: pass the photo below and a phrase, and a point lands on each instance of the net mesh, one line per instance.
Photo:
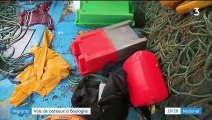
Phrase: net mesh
(183, 46)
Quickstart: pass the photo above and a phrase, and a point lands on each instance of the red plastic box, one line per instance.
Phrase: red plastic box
(92, 50)
(144, 79)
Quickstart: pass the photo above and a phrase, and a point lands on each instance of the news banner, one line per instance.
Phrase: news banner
(51, 111)
(183, 110)
(87, 111)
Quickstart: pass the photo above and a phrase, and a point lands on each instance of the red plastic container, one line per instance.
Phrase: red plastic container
(144, 79)
(92, 50)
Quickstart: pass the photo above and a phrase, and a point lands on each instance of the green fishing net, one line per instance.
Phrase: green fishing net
(8, 23)
(183, 46)
(10, 32)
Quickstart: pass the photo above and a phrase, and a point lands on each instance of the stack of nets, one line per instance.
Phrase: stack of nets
(183, 46)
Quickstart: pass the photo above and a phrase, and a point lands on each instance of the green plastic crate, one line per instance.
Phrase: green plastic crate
(103, 13)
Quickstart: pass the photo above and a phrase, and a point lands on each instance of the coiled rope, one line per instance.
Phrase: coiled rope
(10, 32)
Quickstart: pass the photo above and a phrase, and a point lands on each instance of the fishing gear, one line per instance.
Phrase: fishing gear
(183, 47)
(10, 32)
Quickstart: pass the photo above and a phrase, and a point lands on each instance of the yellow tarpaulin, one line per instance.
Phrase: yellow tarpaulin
(43, 75)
